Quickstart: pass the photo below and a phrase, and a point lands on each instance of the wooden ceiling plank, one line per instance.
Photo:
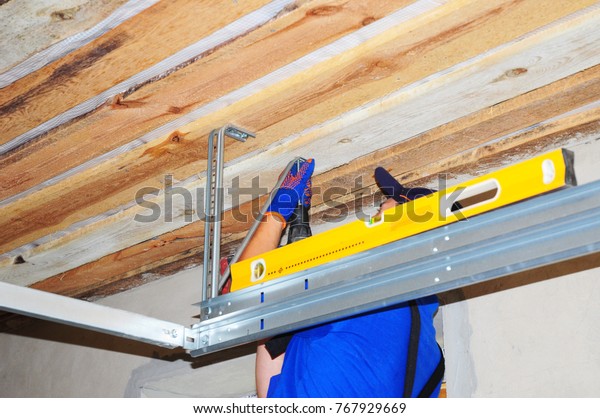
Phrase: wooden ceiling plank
(181, 249)
(119, 174)
(575, 97)
(43, 41)
(78, 197)
(474, 133)
(74, 252)
(570, 94)
(418, 167)
(309, 27)
(36, 27)
(141, 42)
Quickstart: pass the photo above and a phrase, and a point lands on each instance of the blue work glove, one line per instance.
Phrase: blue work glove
(296, 187)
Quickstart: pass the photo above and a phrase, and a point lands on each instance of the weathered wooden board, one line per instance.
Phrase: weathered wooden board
(278, 43)
(478, 84)
(139, 43)
(290, 106)
(182, 248)
(39, 26)
(474, 137)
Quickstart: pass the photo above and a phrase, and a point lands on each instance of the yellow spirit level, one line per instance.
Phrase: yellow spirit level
(530, 178)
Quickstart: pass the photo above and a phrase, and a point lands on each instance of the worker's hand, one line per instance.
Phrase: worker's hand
(296, 187)
(389, 203)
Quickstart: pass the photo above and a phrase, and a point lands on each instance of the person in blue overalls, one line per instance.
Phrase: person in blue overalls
(390, 352)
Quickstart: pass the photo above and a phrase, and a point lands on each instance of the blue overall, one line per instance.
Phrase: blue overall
(363, 357)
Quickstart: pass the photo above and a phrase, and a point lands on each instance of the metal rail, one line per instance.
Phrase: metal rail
(541, 231)
(88, 315)
(544, 230)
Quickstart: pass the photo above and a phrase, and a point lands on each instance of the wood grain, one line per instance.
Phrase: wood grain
(126, 118)
(480, 142)
(38, 26)
(138, 43)
(165, 256)
(333, 109)
(290, 106)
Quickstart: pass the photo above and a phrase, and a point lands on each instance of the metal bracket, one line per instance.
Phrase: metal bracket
(213, 204)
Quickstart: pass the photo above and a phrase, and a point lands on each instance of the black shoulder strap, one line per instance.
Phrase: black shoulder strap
(413, 349)
(411, 358)
(435, 379)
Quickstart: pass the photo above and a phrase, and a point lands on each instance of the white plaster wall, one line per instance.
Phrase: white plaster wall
(52, 360)
(537, 340)
(535, 334)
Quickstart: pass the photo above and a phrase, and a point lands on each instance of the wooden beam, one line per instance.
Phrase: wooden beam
(114, 273)
(46, 27)
(479, 83)
(287, 107)
(146, 39)
(128, 117)
(528, 114)
(469, 146)
(53, 32)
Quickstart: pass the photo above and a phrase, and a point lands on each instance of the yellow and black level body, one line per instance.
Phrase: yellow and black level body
(521, 181)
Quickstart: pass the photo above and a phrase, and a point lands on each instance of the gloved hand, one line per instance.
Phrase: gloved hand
(296, 187)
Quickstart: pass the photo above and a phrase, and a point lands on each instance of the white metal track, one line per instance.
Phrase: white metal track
(544, 230)
(541, 231)
(65, 310)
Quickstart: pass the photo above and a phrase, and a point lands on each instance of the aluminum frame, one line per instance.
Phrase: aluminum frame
(544, 230)
(88, 315)
(541, 231)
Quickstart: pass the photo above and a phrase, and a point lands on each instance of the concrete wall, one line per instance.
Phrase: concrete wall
(52, 360)
(538, 339)
(534, 334)
(529, 335)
